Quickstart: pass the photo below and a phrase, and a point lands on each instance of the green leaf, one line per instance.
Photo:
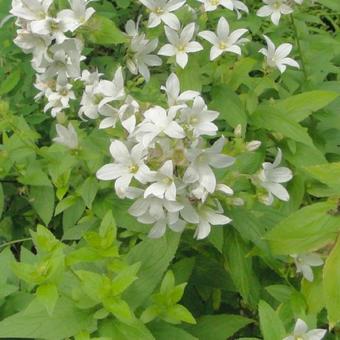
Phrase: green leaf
(281, 293)
(101, 30)
(226, 101)
(178, 313)
(299, 107)
(10, 82)
(2, 200)
(42, 200)
(164, 331)
(272, 120)
(88, 191)
(35, 323)
(114, 329)
(328, 173)
(66, 203)
(306, 230)
(155, 256)
(47, 294)
(125, 278)
(218, 327)
(240, 267)
(270, 323)
(331, 275)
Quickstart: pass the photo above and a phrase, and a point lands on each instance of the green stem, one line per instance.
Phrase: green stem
(303, 64)
(14, 242)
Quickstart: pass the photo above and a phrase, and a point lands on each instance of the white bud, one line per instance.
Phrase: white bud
(238, 131)
(238, 201)
(253, 145)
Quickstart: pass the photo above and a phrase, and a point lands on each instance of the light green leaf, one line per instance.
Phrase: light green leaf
(218, 327)
(47, 294)
(101, 30)
(155, 256)
(42, 199)
(125, 278)
(299, 107)
(306, 230)
(270, 323)
(328, 173)
(164, 331)
(65, 204)
(88, 191)
(35, 323)
(331, 281)
(10, 82)
(272, 120)
(229, 105)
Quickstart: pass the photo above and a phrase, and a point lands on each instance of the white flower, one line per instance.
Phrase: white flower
(198, 118)
(33, 43)
(77, 15)
(172, 89)
(274, 9)
(96, 98)
(180, 44)
(211, 5)
(201, 160)
(271, 177)
(239, 7)
(278, 57)
(301, 332)
(131, 27)
(159, 121)
(142, 58)
(304, 262)
(208, 217)
(223, 40)
(30, 10)
(160, 212)
(127, 165)
(64, 61)
(161, 11)
(59, 99)
(127, 114)
(66, 136)
(164, 186)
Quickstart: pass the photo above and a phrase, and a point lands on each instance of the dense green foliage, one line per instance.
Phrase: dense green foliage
(74, 264)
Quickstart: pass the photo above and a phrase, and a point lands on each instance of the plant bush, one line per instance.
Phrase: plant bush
(169, 169)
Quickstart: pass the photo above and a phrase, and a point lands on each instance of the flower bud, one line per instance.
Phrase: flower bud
(253, 145)
(238, 131)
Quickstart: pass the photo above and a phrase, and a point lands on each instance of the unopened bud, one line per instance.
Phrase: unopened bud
(238, 201)
(253, 145)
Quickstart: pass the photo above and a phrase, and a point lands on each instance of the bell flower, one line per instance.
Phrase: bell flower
(271, 176)
(274, 9)
(223, 40)
(31, 10)
(278, 57)
(180, 44)
(161, 11)
(126, 166)
(163, 186)
(201, 161)
(172, 90)
(198, 118)
(301, 332)
(66, 136)
(211, 5)
(305, 262)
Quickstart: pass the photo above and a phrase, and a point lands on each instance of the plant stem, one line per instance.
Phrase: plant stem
(14, 242)
(303, 65)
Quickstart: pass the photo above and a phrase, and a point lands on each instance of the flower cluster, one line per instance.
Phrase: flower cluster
(166, 164)
(47, 35)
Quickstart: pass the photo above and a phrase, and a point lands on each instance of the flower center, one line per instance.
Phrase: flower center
(63, 92)
(222, 45)
(215, 2)
(193, 120)
(167, 180)
(277, 5)
(133, 168)
(299, 338)
(54, 25)
(159, 10)
(97, 99)
(181, 48)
